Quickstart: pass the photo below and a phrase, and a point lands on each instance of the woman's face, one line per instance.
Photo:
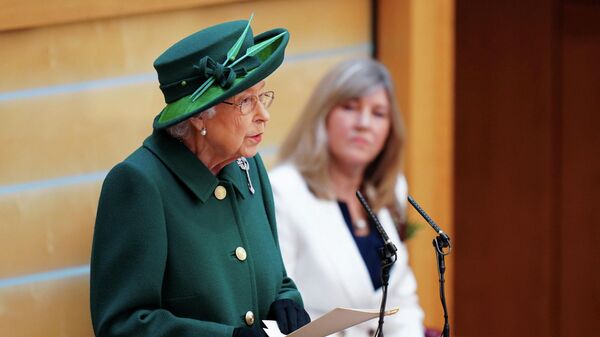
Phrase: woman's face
(231, 134)
(358, 128)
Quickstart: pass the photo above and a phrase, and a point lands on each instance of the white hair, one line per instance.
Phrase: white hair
(180, 130)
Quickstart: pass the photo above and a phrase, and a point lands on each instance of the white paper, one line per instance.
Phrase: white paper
(272, 329)
(336, 320)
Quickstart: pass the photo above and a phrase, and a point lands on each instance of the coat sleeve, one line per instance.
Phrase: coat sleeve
(408, 322)
(288, 288)
(128, 261)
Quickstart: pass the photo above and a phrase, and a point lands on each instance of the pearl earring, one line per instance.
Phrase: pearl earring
(203, 131)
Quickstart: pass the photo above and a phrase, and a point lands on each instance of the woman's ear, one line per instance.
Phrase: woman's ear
(197, 122)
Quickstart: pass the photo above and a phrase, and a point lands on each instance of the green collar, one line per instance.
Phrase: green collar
(191, 171)
(234, 174)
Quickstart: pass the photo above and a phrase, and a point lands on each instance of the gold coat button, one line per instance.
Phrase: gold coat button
(249, 318)
(240, 253)
(220, 192)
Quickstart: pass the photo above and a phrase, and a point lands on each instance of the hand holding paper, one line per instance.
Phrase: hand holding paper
(289, 315)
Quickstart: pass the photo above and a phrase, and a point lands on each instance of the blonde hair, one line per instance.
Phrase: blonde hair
(307, 145)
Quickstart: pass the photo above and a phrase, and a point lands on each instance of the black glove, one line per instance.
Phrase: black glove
(289, 315)
(255, 331)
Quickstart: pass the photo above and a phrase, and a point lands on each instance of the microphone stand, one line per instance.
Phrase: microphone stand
(442, 248)
(388, 257)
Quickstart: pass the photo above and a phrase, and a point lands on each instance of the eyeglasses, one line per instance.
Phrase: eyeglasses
(248, 104)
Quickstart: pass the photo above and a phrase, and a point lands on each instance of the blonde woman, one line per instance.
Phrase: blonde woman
(350, 138)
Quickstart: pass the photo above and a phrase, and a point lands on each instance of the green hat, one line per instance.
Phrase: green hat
(214, 64)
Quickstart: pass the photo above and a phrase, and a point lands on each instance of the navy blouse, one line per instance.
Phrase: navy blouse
(367, 245)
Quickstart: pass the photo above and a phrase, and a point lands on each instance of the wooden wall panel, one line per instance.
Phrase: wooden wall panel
(505, 169)
(527, 176)
(416, 42)
(74, 133)
(52, 308)
(93, 50)
(37, 234)
(580, 170)
(33, 13)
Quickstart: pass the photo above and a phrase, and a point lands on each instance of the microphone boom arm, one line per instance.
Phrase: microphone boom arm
(441, 242)
(444, 239)
(388, 256)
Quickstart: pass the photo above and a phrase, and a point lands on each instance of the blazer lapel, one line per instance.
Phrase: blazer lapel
(342, 254)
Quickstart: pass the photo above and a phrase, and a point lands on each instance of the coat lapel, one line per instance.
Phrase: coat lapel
(183, 163)
(190, 170)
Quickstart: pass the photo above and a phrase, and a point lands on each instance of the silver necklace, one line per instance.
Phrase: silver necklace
(360, 224)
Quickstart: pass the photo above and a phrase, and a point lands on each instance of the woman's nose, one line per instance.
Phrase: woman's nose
(364, 119)
(262, 113)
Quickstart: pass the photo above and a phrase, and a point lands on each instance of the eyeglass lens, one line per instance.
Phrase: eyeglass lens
(265, 98)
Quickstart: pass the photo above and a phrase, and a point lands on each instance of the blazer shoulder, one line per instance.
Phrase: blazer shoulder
(285, 176)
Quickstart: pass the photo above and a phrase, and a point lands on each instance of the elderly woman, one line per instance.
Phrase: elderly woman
(185, 242)
(350, 139)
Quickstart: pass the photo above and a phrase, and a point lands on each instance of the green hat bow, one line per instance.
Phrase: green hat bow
(224, 75)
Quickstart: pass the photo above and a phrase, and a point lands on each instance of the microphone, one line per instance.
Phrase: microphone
(388, 256)
(439, 243)
(444, 237)
(375, 220)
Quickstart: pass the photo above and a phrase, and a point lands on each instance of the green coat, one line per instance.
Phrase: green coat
(164, 257)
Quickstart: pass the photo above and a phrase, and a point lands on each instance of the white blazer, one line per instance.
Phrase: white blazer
(321, 256)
